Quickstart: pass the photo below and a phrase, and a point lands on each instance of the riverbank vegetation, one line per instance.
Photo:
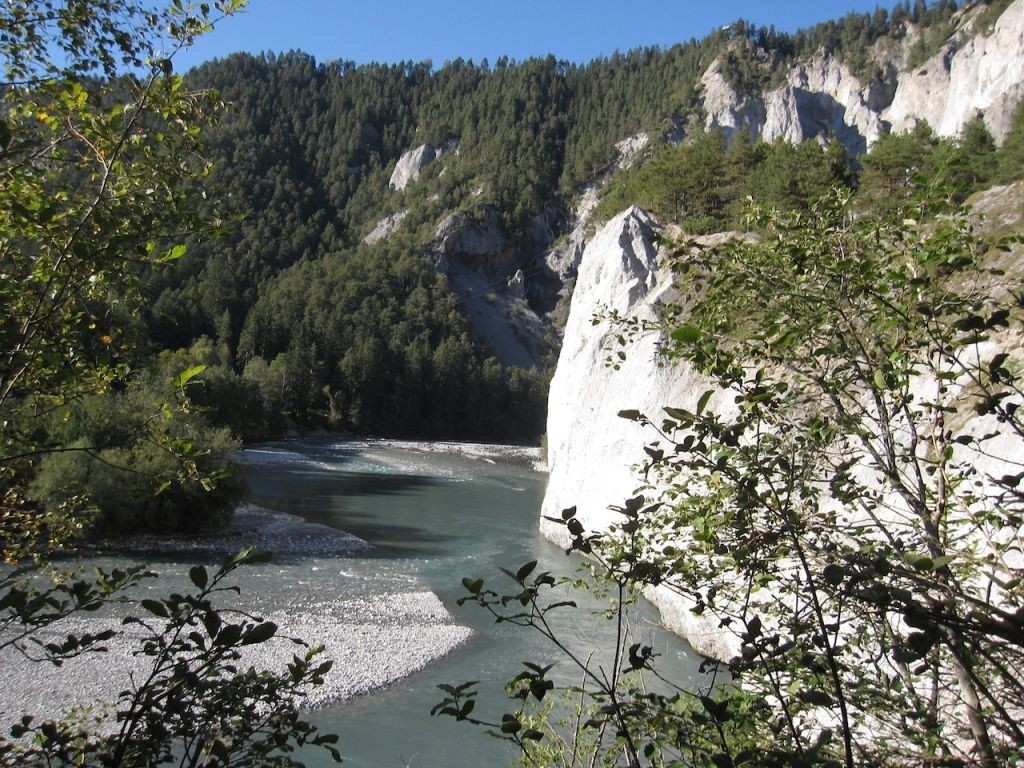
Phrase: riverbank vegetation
(94, 164)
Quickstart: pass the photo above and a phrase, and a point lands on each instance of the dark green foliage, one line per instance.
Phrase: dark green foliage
(195, 701)
(895, 167)
(921, 165)
(701, 185)
(139, 465)
(849, 38)
(689, 184)
(223, 397)
(372, 340)
(791, 176)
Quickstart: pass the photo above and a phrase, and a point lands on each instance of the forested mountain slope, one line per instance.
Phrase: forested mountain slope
(397, 228)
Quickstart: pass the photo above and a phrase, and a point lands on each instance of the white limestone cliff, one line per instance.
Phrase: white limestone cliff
(385, 227)
(412, 163)
(984, 76)
(409, 166)
(592, 453)
(824, 98)
(564, 259)
(594, 456)
(728, 111)
(974, 74)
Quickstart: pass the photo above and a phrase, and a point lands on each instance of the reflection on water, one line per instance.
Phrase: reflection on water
(431, 520)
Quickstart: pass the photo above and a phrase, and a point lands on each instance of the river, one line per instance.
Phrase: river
(428, 518)
(431, 519)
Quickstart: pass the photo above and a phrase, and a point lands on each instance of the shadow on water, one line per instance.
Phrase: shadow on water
(345, 501)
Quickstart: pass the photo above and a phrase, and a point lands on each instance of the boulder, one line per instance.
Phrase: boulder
(515, 288)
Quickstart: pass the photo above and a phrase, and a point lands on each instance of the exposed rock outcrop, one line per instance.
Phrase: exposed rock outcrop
(483, 269)
(592, 452)
(563, 260)
(385, 227)
(826, 99)
(821, 98)
(973, 74)
(727, 110)
(630, 147)
(594, 456)
(478, 240)
(516, 286)
(984, 76)
(412, 163)
(409, 166)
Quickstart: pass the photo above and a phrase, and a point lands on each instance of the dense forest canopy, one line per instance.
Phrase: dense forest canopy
(301, 162)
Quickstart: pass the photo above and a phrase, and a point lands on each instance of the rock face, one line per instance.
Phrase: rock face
(593, 455)
(409, 166)
(984, 76)
(478, 240)
(974, 74)
(821, 98)
(630, 147)
(592, 452)
(516, 286)
(564, 259)
(727, 110)
(474, 252)
(385, 227)
(411, 163)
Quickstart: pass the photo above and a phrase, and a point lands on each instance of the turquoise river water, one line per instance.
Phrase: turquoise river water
(431, 519)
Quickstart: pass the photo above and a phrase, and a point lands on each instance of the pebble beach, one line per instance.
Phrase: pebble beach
(372, 642)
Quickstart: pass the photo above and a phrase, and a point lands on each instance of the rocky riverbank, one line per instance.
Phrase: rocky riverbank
(251, 526)
(372, 641)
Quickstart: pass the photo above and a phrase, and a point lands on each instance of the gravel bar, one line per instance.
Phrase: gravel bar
(251, 526)
(372, 641)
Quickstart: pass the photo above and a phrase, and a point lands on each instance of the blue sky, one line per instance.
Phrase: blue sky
(440, 30)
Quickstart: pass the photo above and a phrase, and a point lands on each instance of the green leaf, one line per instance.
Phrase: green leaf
(920, 562)
(680, 415)
(879, 379)
(686, 334)
(174, 254)
(942, 561)
(187, 375)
